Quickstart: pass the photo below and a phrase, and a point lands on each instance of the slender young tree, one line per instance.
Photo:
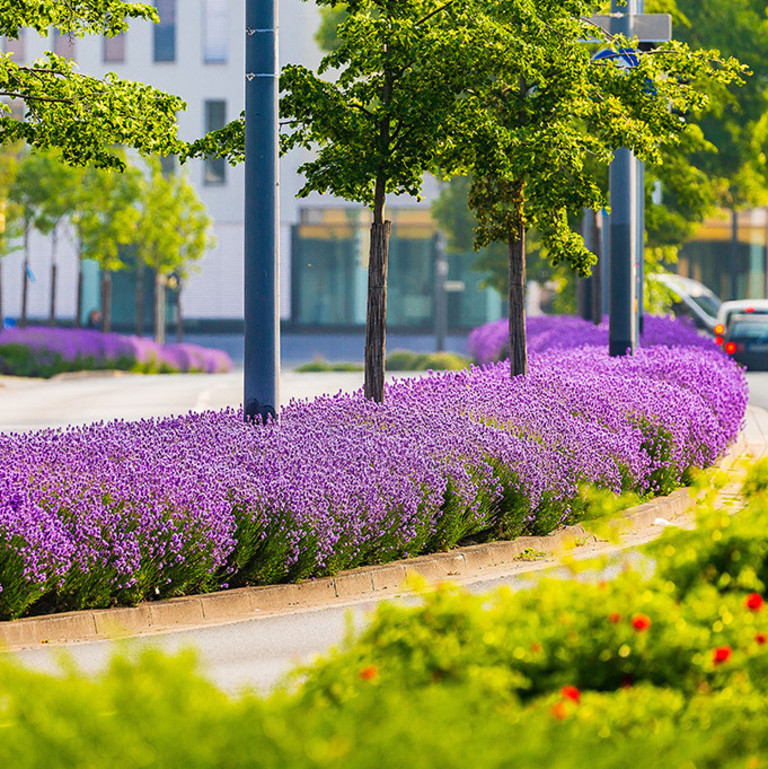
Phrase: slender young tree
(534, 131)
(402, 69)
(45, 188)
(104, 222)
(172, 233)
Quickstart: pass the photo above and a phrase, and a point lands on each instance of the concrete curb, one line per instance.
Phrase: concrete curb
(379, 581)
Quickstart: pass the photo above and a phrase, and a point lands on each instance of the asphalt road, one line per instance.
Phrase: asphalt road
(30, 404)
(254, 653)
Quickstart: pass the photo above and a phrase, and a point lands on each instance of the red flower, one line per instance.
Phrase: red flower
(761, 638)
(571, 693)
(559, 710)
(754, 602)
(721, 654)
(614, 616)
(641, 622)
(535, 647)
(369, 673)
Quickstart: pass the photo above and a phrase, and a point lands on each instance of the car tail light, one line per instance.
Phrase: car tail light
(730, 347)
(749, 309)
(719, 341)
(719, 328)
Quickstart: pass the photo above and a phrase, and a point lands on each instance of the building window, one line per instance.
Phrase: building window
(215, 119)
(215, 31)
(64, 44)
(114, 49)
(168, 165)
(165, 31)
(15, 46)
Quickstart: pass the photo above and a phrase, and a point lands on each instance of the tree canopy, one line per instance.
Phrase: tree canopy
(82, 116)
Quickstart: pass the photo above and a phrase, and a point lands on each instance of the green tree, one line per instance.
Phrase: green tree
(738, 123)
(105, 221)
(45, 188)
(533, 133)
(28, 195)
(9, 230)
(402, 68)
(82, 116)
(172, 233)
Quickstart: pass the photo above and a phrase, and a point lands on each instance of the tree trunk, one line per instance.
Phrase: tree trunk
(518, 356)
(376, 318)
(25, 279)
(597, 270)
(734, 292)
(54, 268)
(79, 300)
(106, 302)
(179, 317)
(159, 308)
(139, 296)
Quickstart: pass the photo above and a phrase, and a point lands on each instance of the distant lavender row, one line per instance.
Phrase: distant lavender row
(490, 342)
(119, 512)
(53, 348)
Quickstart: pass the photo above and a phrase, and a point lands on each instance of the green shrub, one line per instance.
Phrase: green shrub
(405, 360)
(320, 365)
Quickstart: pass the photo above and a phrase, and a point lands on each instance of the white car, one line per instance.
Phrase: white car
(692, 299)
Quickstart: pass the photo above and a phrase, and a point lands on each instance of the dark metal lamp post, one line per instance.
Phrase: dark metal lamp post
(262, 238)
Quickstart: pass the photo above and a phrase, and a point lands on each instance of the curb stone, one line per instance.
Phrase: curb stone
(368, 581)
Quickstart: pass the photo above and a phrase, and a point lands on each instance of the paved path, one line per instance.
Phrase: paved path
(33, 404)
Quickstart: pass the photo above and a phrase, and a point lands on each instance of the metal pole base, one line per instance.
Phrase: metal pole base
(618, 347)
(256, 411)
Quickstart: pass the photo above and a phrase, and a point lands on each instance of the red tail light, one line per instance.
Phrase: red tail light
(719, 341)
(749, 309)
(730, 347)
(719, 328)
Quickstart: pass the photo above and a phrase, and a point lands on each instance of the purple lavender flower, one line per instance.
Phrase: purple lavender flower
(87, 348)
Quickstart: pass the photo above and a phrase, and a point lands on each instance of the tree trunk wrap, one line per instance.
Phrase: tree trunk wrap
(179, 318)
(597, 279)
(159, 308)
(106, 302)
(79, 300)
(54, 270)
(376, 319)
(518, 356)
(139, 297)
(25, 280)
(52, 312)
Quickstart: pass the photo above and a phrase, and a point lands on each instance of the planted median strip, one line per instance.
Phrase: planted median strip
(125, 512)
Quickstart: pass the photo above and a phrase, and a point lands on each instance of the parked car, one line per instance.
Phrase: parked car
(734, 307)
(746, 340)
(691, 299)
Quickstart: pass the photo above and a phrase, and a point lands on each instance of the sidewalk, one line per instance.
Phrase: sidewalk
(639, 524)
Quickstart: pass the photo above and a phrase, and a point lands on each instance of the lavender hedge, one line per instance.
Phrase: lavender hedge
(490, 342)
(41, 351)
(120, 512)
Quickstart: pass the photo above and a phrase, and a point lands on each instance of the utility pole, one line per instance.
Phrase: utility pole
(262, 237)
(622, 184)
(625, 187)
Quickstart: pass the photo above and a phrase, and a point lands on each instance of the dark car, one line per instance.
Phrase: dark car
(746, 341)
